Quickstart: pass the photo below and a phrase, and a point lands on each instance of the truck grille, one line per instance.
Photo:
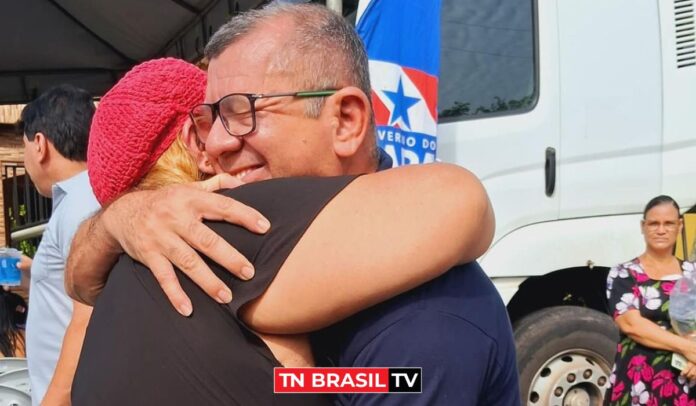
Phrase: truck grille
(685, 33)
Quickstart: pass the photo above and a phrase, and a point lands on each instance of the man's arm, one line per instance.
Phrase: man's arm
(58, 392)
(160, 228)
(92, 254)
(399, 228)
(384, 234)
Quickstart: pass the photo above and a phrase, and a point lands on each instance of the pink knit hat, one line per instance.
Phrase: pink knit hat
(137, 120)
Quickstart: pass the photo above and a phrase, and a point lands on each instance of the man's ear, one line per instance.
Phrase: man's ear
(40, 144)
(350, 110)
(196, 148)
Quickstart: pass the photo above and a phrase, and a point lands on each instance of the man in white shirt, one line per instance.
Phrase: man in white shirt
(56, 129)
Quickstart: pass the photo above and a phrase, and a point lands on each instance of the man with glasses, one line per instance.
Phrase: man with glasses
(287, 95)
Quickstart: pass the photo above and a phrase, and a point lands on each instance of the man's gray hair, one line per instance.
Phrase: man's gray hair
(325, 50)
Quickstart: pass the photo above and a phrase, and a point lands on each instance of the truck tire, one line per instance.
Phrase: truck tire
(564, 356)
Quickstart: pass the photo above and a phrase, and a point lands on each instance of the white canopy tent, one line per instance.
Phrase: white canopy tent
(91, 43)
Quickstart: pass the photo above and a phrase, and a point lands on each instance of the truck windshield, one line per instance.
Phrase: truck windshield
(487, 60)
(487, 63)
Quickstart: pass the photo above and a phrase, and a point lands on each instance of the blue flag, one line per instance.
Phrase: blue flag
(402, 38)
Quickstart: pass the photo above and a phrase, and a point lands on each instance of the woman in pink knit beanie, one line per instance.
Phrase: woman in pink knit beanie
(139, 350)
(137, 135)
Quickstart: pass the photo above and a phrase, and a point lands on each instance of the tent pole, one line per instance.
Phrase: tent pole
(335, 5)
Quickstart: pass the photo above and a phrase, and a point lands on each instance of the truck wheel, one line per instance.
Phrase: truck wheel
(564, 356)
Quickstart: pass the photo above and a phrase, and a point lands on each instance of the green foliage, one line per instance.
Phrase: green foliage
(464, 108)
(28, 247)
(458, 109)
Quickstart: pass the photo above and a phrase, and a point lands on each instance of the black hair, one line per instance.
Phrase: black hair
(661, 199)
(63, 114)
(13, 316)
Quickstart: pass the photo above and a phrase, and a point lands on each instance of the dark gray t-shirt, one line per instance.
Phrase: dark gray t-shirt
(139, 351)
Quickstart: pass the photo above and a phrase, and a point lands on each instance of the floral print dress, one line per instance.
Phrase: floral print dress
(643, 375)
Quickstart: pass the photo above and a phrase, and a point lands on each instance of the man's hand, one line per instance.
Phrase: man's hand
(24, 264)
(163, 228)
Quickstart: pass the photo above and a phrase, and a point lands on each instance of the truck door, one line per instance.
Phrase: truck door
(611, 107)
(498, 105)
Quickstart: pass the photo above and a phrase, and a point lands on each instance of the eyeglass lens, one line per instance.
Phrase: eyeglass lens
(236, 113)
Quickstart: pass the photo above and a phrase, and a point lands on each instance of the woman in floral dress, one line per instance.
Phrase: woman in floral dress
(638, 293)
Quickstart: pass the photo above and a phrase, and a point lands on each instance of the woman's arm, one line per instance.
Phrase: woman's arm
(649, 334)
(58, 392)
(384, 234)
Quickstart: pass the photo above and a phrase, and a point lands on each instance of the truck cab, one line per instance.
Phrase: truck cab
(573, 114)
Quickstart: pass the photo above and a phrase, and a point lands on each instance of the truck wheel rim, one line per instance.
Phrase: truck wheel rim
(576, 377)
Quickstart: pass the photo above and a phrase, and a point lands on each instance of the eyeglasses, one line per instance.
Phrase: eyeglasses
(237, 112)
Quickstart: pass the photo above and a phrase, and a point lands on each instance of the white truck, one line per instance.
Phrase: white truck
(573, 113)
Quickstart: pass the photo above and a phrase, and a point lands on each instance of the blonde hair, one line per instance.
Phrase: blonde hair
(176, 165)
